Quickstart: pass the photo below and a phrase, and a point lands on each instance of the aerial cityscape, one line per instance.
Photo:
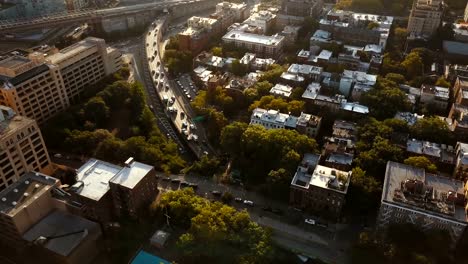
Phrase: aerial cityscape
(238, 131)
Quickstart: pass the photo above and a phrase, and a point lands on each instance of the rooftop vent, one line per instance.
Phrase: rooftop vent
(3, 199)
(15, 190)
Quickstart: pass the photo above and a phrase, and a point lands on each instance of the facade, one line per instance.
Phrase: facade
(302, 8)
(198, 33)
(85, 63)
(33, 215)
(429, 201)
(319, 189)
(31, 87)
(308, 124)
(281, 90)
(425, 18)
(435, 95)
(133, 187)
(272, 119)
(22, 148)
(263, 46)
(262, 21)
(104, 189)
(240, 10)
(461, 161)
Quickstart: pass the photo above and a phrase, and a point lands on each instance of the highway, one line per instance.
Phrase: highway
(83, 15)
(174, 103)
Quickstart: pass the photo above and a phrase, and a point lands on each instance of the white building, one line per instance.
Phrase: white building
(358, 82)
(272, 119)
(263, 21)
(266, 46)
(428, 201)
(281, 90)
(425, 18)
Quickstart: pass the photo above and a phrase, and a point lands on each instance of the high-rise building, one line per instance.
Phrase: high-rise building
(84, 63)
(30, 86)
(22, 148)
(39, 85)
(425, 18)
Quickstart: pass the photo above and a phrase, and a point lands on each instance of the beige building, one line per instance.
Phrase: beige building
(31, 87)
(22, 148)
(425, 18)
(85, 63)
(34, 220)
(39, 85)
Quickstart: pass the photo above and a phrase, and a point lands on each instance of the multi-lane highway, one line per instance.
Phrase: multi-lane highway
(174, 97)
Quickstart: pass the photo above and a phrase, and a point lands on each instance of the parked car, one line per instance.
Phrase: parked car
(184, 183)
(310, 221)
(193, 185)
(238, 199)
(166, 179)
(175, 180)
(216, 193)
(248, 202)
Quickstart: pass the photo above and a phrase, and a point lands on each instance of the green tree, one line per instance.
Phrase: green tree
(96, 111)
(421, 162)
(217, 51)
(273, 74)
(432, 129)
(413, 65)
(238, 69)
(395, 77)
(442, 82)
(297, 93)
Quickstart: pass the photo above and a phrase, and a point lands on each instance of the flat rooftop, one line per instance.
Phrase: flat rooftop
(330, 179)
(12, 123)
(253, 38)
(130, 175)
(72, 50)
(23, 192)
(93, 178)
(282, 90)
(59, 223)
(413, 188)
(13, 62)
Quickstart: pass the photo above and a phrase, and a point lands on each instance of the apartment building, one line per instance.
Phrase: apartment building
(461, 162)
(355, 83)
(435, 96)
(198, 33)
(272, 119)
(31, 87)
(39, 85)
(429, 201)
(425, 18)
(261, 45)
(22, 148)
(240, 10)
(34, 220)
(308, 124)
(319, 189)
(85, 63)
(262, 21)
(440, 154)
(302, 8)
(133, 188)
(106, 190)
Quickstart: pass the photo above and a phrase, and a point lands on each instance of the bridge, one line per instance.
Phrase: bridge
(93, 16)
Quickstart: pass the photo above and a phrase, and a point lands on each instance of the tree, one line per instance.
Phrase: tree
(231, 136)
(273, 74)
(385, 103)
(205, 166)
(96, 110)
(395, 77)
(413, 65)
(432, 129)
(421, 162)
(297, 93)
(442, 82)
(217, 51)
(238, 69)
(364, 192)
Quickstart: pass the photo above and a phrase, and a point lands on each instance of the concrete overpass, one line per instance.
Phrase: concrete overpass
(110, 19)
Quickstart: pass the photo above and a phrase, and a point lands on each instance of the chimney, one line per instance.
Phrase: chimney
(128, 162)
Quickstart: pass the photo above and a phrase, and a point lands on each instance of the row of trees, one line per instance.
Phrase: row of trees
(176, 60)
(216, 233)
(114, 125)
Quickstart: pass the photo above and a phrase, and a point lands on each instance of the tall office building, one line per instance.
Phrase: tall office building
(39, 85)
(22, 148)
(425, 18)
(84, 63)
(30, 86)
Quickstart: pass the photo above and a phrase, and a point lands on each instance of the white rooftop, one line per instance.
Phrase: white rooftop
(331, 179)
(131, 174)
(321, 36)
(253, 38)
(93, 178)
(282, 90)
(312, 90)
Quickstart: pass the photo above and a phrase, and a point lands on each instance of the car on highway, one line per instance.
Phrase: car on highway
(248, 202)
(189, 97)
(216, 193)
(309, 221)
(238, 199)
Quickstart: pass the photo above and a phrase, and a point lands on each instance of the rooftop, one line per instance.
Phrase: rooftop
(331, 179)
(341, 158)
(413, 188)
(282, 90)
(344, 129)
(308, 120)
(131, 174)
(273, 117)
(304, 69)
(10, 122)
(73, 50)
(462, 149)
(423, 147)
(456, 48)
(354, 107)
(321, 36)
(409, 118)
(59, 226)
(253, 38)
(93, 178)
(24, 191)
(440, 92)
(304, 170)
(360, 77)
(292, 77)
